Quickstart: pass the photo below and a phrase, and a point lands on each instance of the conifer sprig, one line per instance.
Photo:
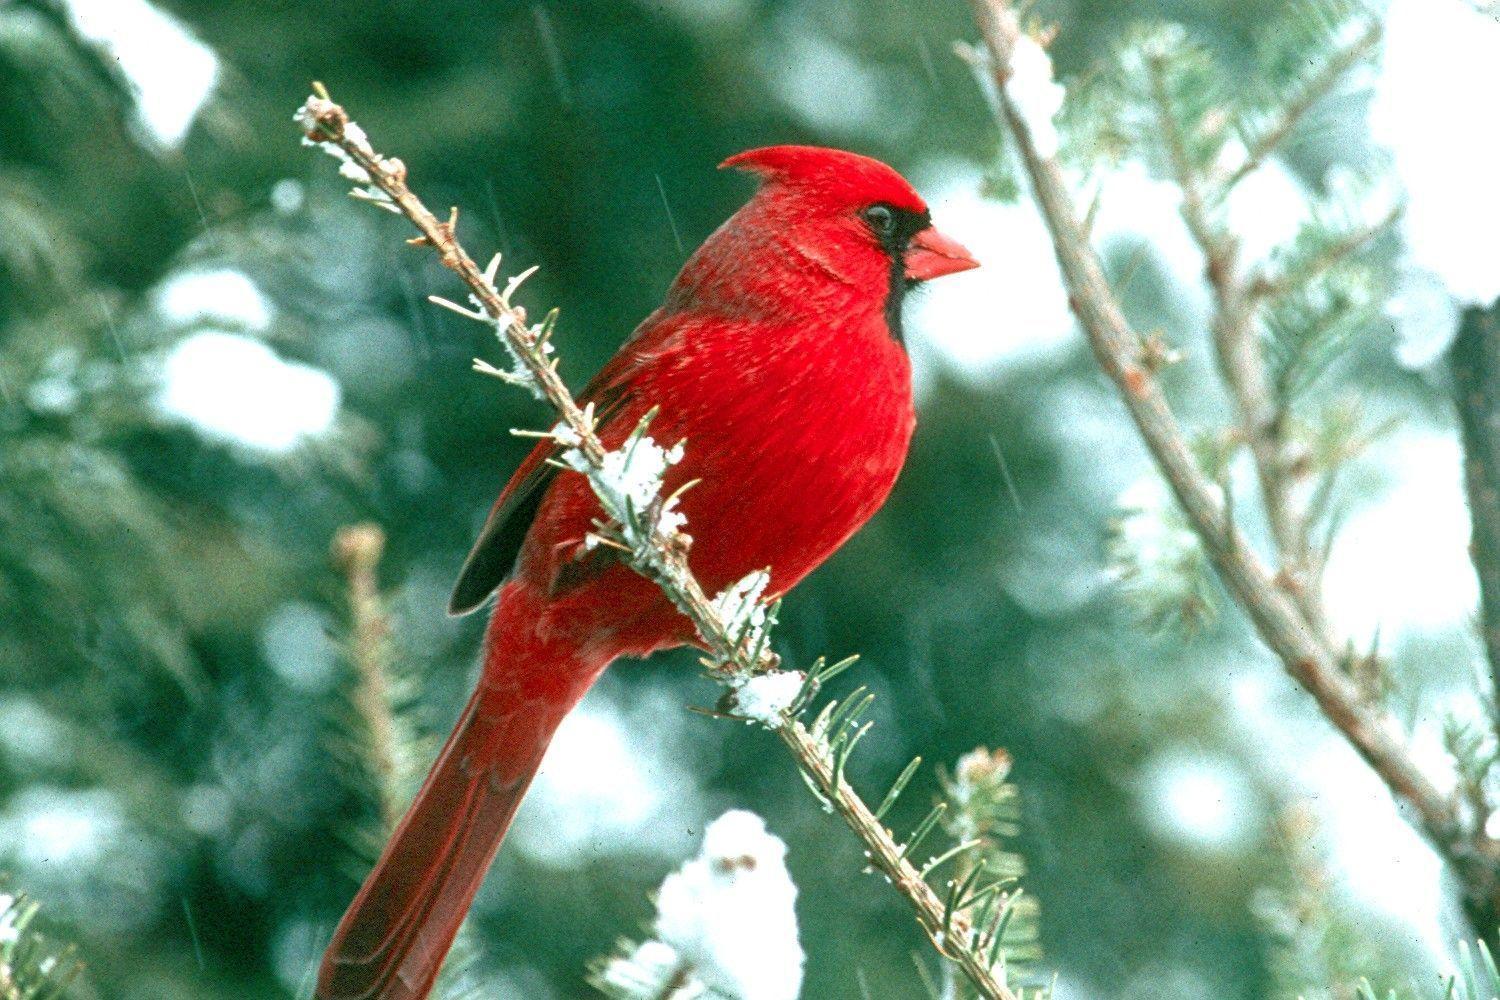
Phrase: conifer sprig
(1308, 324)
(357, 550)
(31, 967)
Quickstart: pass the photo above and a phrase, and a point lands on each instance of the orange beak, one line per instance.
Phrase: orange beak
(930, 255)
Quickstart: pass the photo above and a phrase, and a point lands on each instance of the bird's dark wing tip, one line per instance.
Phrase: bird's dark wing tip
(463, 601)
(493, 556)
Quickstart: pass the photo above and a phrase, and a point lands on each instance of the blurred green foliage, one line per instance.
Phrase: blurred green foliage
(168, 684)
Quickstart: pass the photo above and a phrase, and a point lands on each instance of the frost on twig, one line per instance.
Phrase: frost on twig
(519, 372)
(766, 698)
(628, 483)
(726, 926)
(307, 117)
(741, 606)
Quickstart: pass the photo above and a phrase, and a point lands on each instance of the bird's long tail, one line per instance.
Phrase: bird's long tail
(396, 933)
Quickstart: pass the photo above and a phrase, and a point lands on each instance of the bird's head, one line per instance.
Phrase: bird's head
(829, 233)
(854, 201)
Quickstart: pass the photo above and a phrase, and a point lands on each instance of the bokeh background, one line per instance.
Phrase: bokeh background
(211, 359)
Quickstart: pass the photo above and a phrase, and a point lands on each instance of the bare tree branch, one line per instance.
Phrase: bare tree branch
(1279, 619)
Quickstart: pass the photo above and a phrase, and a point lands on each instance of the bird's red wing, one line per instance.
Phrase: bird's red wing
(494, 553)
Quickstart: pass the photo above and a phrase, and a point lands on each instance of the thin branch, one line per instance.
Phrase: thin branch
(1318, 86)
(387, 175)
(819, 761)
(962, 943)
(1265, 287)
(1242, 365)
(1277, 618)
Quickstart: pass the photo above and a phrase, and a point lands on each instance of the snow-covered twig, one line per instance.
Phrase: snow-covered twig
(654, 544)
(1280, 621)
(619, 478)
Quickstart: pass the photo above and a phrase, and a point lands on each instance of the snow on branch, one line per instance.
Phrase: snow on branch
(648, 531)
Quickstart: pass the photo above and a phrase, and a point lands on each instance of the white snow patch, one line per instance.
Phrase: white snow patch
(170, 72)
(730, 912)
(237, 390)
(1401, 565)
(1265, 211)
(1435, 100)
(223, 295)
(739, 604)
(1036, 97)
(629, 481)
(764, 697)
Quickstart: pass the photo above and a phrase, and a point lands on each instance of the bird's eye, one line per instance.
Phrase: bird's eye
(881, 219)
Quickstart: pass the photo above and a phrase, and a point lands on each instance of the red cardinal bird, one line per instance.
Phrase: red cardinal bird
(777, 357)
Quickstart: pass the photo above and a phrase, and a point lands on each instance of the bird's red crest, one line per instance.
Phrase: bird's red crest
(830, 173)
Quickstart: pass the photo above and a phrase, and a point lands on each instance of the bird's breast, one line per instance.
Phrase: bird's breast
(794, 437)
(795, 442)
